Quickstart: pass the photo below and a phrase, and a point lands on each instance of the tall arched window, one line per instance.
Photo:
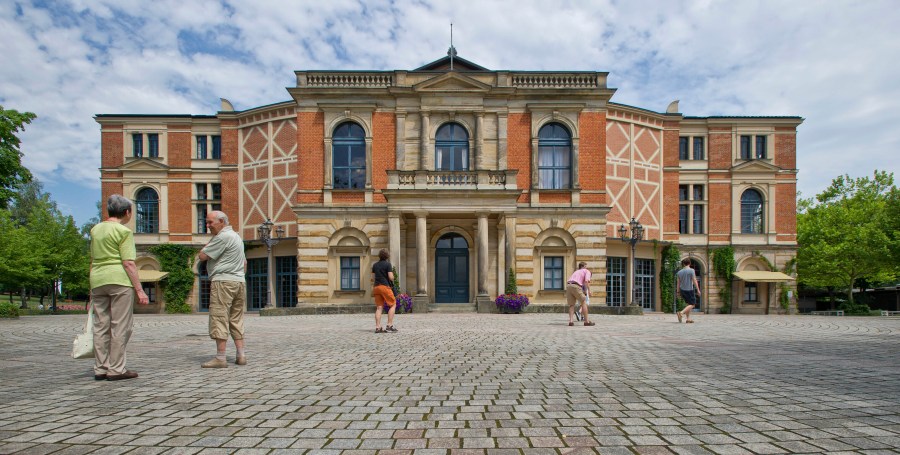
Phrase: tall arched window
(147, 211)
(349, 156)
(554, 157)
(451, 148)
(752, 219)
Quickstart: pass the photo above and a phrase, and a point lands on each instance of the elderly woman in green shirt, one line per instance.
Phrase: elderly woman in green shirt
(114, 283)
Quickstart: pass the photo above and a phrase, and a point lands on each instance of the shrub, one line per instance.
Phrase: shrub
(511, 286)
(515, 303)
(855, 308)
(9, 310)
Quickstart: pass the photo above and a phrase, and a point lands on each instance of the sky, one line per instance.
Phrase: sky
(834, 63)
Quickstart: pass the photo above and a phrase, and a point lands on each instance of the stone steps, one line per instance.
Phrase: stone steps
(452, 308)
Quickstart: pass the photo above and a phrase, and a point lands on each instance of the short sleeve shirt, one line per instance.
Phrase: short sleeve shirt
(111, 243)
(580, 276)
(226, 256)
(686, 279)
(381, 269)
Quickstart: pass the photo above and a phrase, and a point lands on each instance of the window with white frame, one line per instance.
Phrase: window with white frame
(146, 211)
(691, 208)
(208, 146)
(754, 147)
(208, 199)
(752, 212)
(145, 145)
(349, 273)
(691, 148)
(553, 272)
(554, 157)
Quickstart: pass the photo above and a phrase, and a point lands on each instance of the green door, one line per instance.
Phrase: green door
(451, 270)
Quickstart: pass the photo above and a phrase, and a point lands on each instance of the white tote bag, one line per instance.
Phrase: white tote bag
(83, 346)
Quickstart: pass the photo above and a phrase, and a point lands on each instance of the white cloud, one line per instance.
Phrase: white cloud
(831, 63)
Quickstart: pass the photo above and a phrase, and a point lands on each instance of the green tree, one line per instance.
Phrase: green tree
(21, 267)
(845, 235)
(12, 173)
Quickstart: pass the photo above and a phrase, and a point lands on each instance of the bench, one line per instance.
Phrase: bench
(890, 313)
(828, 313)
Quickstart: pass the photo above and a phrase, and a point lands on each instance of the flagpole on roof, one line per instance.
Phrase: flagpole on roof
(452, 51)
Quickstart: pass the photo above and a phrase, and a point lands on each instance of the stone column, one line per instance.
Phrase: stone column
(479, 141)
(401, 140)
(423, 140)
(482, 254)
(510, 242)
(421, 254)
(394, 241)
(501, 255)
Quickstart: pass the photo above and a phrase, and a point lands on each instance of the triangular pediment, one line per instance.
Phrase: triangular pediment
(451, 82)
(458, 64)
(755, 166)
(143, 164)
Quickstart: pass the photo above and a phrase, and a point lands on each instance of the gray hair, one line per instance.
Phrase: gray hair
(117, 205)
(221, 216)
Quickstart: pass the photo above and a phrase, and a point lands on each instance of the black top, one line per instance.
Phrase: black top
(381, 269)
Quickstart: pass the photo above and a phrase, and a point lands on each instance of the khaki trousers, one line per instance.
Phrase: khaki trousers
(226, 310)
(113, 309)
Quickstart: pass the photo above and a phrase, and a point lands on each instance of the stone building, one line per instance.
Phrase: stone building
(462, 173)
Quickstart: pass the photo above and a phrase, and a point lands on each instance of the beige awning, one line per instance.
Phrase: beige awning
(759, 276)
(151, 276)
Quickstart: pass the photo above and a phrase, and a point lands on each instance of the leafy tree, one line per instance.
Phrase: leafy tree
(12, 173)
(21, 267)
(845, 233)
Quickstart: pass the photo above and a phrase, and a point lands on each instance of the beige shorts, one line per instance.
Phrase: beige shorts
(226, 310)
(574, 294)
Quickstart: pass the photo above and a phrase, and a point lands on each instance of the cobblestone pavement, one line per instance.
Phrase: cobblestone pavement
(460, 384)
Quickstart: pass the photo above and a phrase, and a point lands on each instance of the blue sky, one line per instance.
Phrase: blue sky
(833, 63)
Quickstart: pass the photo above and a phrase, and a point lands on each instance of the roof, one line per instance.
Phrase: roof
(459, 64)
(151, 276)
(759, 276)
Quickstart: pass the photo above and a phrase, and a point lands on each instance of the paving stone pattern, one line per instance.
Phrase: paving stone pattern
(462, 384)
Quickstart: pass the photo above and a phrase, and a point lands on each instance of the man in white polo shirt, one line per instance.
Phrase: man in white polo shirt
(227, 297)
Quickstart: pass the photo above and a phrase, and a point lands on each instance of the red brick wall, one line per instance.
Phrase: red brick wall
(719, 211)
(786, 211)
(110, 188)
(719, 148)
(556, 198)
(384, 154)
(786, 148)
(311, 155)
(181, 216)
(179, 142)
(670, 181)
(350, 198)
(230, 188)
(591, 156)
(518, 150)
(112, 147)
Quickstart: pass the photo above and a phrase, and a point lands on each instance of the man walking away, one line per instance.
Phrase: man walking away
(687, 282)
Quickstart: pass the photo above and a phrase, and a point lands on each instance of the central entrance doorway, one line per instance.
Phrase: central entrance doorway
(451, 269)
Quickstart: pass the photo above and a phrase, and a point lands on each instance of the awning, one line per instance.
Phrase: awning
(151, 276)
(759, 276)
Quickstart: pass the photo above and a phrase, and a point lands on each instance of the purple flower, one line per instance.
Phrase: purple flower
(404, 304)
(512, 302)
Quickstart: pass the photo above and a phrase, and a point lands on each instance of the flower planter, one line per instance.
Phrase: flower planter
(511, 303)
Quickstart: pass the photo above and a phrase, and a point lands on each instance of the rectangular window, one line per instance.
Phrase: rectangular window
(209, 197)
(150, 290)
(683, 152)
(257, 288)
(286, 281)
(201, 147)
(204, 286)
(615, 281)
(350, 273)
(216, 191)
(698, 192)
(137, 144)
(750, 294)
(153, 144)
(201, 219)
(698, 219)
(698, 148)
(553, 272)
(683, 218)
(216, 147)
(760, 147)
(746, 143)
(683, 192)
(201, 191)
(645, 283)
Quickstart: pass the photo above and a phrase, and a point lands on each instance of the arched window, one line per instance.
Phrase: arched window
(554, 157)
(349, 156)
(752, 219)
(147, 212)
(451, 148)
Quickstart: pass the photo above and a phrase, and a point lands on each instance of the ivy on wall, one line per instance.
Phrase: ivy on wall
(670, 266)
(178, 260)
(724, 265)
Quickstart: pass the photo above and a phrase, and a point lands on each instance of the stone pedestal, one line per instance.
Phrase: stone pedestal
(420, 303)
(484, 304)
(632, 310)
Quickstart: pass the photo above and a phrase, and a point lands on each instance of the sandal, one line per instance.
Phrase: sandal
(588, 324)
(379, 330)
(679, 316)
(571, 324)
(689, 321)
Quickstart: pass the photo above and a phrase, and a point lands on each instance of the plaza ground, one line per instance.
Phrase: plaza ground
(462, 384)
